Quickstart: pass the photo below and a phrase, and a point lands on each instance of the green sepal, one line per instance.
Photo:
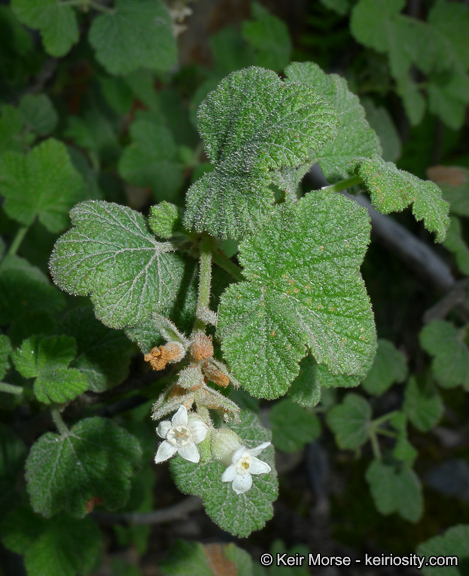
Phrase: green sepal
(237, 514)
(350, 422)
(95, 460)
(303, 290)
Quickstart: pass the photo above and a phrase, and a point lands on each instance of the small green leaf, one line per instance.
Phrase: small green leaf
(237, 514)
(403, 449)
(165, 220)
(395, 489)
(381, 122)
(11, 125)
(136, 34)
(253, 125)
(414, 102)
(12, 456)
(305, 389)
(450, 364)
(111, 255)
(58, 547)
(392, 190)
(292, 426)
(151, 160)
(43, 184)
(206, 560)
(304, 289)
(46, 358)
(422, 404)
(350, 421)
(355, 136)
(57, 23)
(454, 544)
(340, 6)
(95, 460)
(103, 355)
(389, 366)
(448, 97)
(270, 38)
(38, 113)
(455, 243)
(5, 351)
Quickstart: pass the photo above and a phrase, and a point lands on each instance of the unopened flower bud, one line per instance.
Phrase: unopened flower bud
(201, 347)
(214, 374)
(224, 443)
(191, 378)
(159, 356)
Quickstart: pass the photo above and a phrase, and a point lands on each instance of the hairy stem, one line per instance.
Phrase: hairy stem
(20, 234)
(58, 421)
(343, 184)
(205, 280)
(227, 265)
(10, 388)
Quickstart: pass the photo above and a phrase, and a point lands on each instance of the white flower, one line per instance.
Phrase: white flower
(245, 463)
(181, 435)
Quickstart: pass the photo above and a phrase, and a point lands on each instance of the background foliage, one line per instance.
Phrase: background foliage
(99, 102)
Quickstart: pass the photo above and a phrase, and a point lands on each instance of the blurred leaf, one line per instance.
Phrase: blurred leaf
(455, 243)
(5, 351)
(448, 96)
(422, 404)
(229, 53)
(11, 125)
(42, 184)
(252, 125)
(413, 101)
(95, 460)
(38, 113)
(395, 489)
(454, 543)
(270, 38)
(137, 33)
(350, 422)
(403, 449)
(340, 6)
(389, 366)
(12, 456)
(381, 122)
(56, 22)
(292, 426)
(454, 182)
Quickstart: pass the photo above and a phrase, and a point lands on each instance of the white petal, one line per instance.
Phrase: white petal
(229, 474)
(163, 428)
(165, 451)
(242, 483)
(189, 452)
(258, 449)
(259, 467)
(238, 454)
(199, 430)
(180, 418)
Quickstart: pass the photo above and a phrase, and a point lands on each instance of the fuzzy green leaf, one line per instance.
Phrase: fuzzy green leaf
(206, 560)
(445, 343)
(269, 37)
(136, 34)
(355, 136)
(306, 388)
(395, 489)
(43, 184)
(422, 404)
(304, 289)
(237, 514)
(111, 255)
(392, 190)
(58, 547)
(389, 366)
(57, 23)
(253, 126)
(46, 358)
(38, 113)
(151, 160)
(95, 460)
(103, 355)
(292, 426)
(5, 350)
(350, 421)
(165, 220)
(454, 543)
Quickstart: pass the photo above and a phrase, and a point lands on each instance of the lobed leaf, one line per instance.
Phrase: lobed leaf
(303, 289)
(253, 125)
(350, 422)
(96, 459)
(136, 34)
(38, 113)
(111, 256)
(237, 514)
(56, 21)
(389, 366)
(395, 489)
(445, 343)
(422, 404)
(292, 426)
(454, 543)
(355, 137)
(392, 190)
(42, 184)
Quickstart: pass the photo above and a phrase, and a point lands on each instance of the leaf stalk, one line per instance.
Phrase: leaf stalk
(58, 421)
(343, 184)
(17, 240)
(10, 388)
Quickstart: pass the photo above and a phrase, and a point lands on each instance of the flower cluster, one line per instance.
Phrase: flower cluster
(185, 431)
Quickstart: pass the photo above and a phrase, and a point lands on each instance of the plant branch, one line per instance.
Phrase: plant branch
(17, 240)
(172, 513)
(205, 281)
(10, 388)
